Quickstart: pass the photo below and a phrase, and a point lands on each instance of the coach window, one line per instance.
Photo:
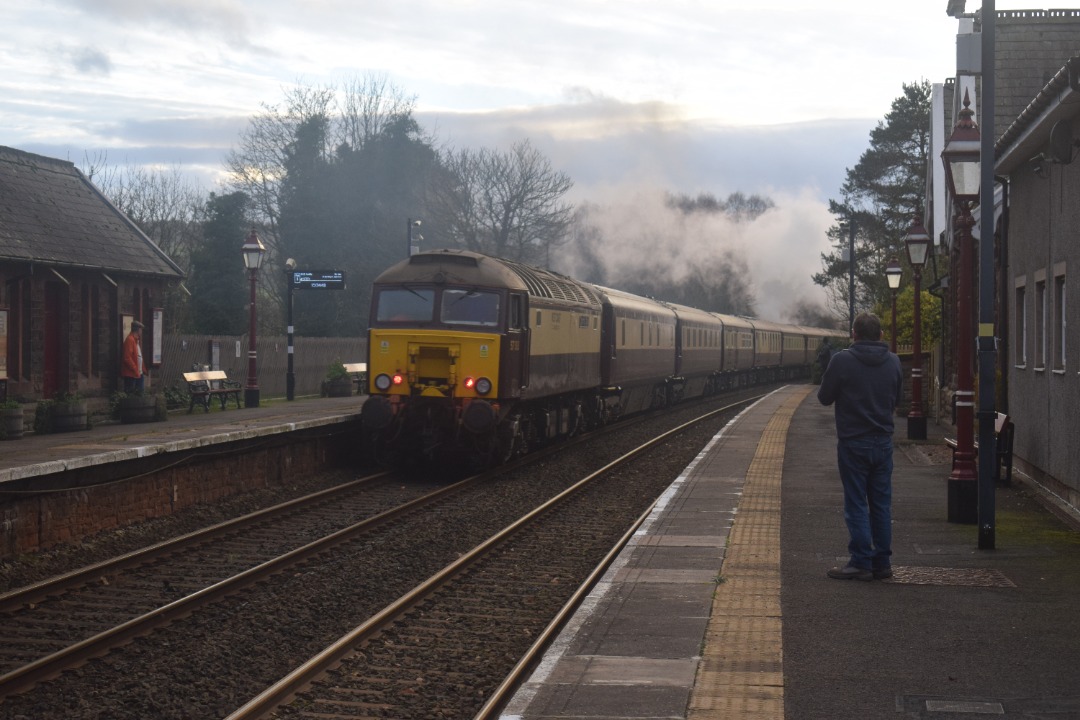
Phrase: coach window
(405, 305)
(1020, 327)
(1059, 318)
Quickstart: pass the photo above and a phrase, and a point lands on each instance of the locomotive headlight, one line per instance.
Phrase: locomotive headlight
(382, 382)
(483, 386)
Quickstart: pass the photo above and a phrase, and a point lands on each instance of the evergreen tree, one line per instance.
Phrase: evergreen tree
(881, 195)
(218, 280)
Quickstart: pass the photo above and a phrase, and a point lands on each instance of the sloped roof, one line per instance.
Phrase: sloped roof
(1029, 134)
(50, 213)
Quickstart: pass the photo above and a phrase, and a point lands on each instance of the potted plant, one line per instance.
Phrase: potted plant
(12, 422)
(66, 413)
(337, 383)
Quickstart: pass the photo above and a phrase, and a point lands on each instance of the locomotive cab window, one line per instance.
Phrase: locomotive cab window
(470, 307)
(405, 305)
(516, 312)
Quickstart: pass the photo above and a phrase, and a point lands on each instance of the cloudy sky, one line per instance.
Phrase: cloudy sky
(628, 97)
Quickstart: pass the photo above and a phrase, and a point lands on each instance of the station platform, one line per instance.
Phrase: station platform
(36, 455)
(721, 608)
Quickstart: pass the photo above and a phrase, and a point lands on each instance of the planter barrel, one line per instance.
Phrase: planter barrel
(69, 417)
(13, 421)
(138, 409)
(339, 387)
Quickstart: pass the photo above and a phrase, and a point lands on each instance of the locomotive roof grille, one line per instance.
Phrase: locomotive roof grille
(443, 258)
(544, 283)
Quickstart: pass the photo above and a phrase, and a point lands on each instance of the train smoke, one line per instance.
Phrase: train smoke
(720, 260)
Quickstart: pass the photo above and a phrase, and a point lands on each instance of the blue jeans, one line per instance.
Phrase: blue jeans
(866, 466)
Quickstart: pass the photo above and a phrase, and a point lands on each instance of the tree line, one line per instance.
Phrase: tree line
(332, 176)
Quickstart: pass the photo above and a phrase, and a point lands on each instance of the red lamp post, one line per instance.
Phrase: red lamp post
(917, 241)
(892, 274)
(963, 174)
(253, 251)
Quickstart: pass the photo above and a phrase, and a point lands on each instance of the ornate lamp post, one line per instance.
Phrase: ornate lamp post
(917, 241)
(963, 174)
(892, 274)
(253, 251)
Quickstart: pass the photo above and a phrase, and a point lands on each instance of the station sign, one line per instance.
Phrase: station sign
(318, 279)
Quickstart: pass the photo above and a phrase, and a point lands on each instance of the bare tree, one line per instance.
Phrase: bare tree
(368, 106)
(507, 204)
(257, 165)
(163, 204)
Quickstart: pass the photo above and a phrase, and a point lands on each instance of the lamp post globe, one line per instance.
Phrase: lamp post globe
(252, 251)
(893, 271)
(963, 172)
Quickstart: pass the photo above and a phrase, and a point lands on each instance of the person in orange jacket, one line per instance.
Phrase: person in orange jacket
(132, 368)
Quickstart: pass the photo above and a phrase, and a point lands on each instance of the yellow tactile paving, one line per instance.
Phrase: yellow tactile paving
(741, 672)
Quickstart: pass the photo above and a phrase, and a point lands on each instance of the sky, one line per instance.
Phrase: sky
(630, 98)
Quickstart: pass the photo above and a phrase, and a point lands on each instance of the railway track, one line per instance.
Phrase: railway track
(457, 644)
(219, 645)
(47, 626)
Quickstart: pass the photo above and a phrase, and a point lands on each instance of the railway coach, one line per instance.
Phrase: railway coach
(480, 358)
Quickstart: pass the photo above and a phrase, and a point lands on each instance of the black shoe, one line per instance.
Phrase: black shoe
(882, 573)
(850, 572)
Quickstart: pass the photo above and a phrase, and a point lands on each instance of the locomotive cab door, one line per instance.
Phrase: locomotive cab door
(514, 370)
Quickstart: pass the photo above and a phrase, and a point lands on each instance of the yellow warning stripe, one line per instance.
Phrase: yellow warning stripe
(741, 673)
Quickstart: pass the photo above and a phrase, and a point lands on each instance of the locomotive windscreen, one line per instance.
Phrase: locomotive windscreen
(470, 307)
(406, 305)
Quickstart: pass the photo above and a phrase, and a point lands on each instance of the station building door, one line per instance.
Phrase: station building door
(54, 378)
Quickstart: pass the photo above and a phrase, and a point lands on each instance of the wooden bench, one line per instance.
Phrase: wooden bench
(1003, 450)
(205, 384)
(359, 373)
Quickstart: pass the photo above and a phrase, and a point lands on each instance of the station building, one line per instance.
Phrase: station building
(74, 273)
(1035, 237)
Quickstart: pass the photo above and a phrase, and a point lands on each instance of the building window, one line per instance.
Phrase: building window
(1020, 326)
(1059, 318)
(1040, 324)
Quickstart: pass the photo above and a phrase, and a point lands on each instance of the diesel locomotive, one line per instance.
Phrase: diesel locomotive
(476, 356)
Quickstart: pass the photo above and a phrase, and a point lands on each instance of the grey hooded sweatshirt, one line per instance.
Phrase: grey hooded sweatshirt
(865, 381)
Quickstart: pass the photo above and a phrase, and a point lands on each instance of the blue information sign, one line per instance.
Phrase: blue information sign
(318, 279)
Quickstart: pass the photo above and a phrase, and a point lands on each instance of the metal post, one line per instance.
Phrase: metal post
(916, 421)
(963, 480)
(251, 392)
(413, 247)
(290, 376)
(987, 349)
(851, 272)
(408, 237)
(892, 343)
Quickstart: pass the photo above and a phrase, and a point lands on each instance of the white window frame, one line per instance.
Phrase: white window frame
(1040, 320)
(1059, 318)
(1020, 326)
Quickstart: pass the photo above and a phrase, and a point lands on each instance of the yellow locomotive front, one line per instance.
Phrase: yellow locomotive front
(436, 349)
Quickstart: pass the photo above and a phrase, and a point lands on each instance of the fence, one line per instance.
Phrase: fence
(311, 358)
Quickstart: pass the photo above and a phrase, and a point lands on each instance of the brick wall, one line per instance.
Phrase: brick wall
(67, 507)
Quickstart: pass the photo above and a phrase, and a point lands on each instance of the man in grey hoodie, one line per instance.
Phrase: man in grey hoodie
(865, 382)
